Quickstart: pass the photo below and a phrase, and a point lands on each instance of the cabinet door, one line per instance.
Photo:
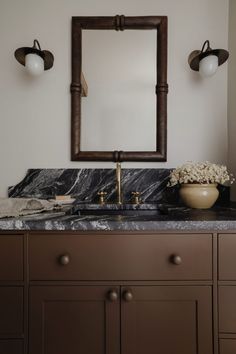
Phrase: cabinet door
(166, 320)
(11, 257)
(227, 309)
(11, 312)
(74, 319)
(227, 257)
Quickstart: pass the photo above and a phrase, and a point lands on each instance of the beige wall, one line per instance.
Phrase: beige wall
(232, 92)
(35, 113)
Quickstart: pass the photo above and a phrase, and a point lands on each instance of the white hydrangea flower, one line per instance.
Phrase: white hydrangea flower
(200, 172)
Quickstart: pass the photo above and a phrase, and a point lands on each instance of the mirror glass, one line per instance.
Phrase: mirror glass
(119, 112)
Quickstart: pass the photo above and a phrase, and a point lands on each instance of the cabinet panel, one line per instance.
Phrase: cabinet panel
(227, 346)
(227, 257)
(11, 346)
(167, 320)
(11, 257)
(227, 309)
(121, 257)
(79, 319)
(11, 311)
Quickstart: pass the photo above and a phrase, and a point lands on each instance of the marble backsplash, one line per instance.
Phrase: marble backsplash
(84, 184)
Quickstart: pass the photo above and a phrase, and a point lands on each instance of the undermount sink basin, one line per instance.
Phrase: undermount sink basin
(145, 209)
(121, 212)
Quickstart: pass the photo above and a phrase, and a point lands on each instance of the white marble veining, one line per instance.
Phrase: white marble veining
(84, 184)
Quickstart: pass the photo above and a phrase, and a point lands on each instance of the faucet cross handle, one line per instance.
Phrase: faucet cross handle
(102, 196)
(136, 197)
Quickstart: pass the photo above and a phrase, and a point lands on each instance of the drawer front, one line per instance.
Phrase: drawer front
(11, 310)
(227, 256)
(227, 346)
(11, 257)
(11, 346)
(120, 257)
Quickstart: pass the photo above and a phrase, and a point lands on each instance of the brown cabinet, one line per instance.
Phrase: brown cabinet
(11, 257)
(13, 346)
(11, 294)
(120, 257)
(107, 293)
(167, 320)
(87, 319)
(74, 319)
(227, 309)
(227, 346)
(227, 293)
(11, 311)
(122, 318)
(227, 257)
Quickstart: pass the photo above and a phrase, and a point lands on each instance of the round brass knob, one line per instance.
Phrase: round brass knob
(112, 295)
(128, 296)
(175, 259)
(64, 259)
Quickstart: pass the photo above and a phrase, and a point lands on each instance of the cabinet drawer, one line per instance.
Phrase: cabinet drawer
(11, 310)
(120, 257)
(227, 257)
(227, 346)
(11, 346)
(11, 257)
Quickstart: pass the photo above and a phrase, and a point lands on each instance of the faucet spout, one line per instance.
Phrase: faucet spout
(118, 182)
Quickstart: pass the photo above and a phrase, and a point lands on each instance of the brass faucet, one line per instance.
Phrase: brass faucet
(118, 183)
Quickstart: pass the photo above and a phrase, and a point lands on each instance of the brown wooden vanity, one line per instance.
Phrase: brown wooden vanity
(117, 292)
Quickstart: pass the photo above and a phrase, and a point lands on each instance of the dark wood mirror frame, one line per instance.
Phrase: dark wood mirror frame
(120, 23)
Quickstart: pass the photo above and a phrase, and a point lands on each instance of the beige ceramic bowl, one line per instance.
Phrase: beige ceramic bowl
(199, 196)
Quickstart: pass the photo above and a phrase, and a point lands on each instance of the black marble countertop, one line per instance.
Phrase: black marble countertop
(178, 218)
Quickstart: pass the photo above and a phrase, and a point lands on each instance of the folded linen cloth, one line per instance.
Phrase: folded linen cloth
(13, 207)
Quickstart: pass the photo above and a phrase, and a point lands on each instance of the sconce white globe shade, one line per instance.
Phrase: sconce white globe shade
(208, 66)
(34, 64)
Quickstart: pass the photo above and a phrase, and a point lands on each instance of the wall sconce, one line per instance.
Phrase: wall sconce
(34, 59)
(207, 60)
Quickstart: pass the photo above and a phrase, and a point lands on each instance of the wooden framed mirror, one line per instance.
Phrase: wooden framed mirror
(135, 108)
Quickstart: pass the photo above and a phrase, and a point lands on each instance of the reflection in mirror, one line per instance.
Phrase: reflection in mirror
(119, 112)
(123, 114)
